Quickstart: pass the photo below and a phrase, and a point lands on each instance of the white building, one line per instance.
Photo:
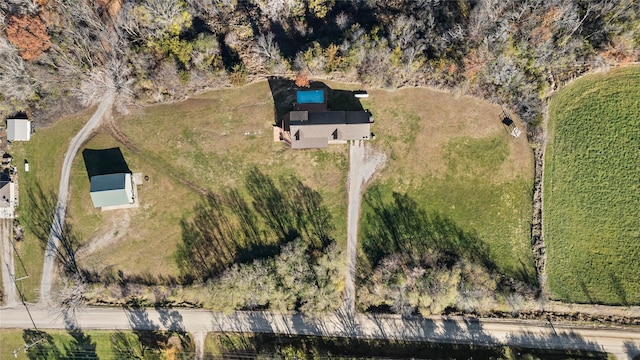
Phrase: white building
(18, 129)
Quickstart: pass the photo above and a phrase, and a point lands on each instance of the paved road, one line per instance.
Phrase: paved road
(624, 343)
(63, 196)
(8, 269)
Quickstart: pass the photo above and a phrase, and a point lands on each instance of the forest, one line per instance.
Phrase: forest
(57, 56)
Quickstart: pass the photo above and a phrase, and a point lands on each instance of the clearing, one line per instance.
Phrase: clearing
(454, 157)
(592, 190)
(206, 143)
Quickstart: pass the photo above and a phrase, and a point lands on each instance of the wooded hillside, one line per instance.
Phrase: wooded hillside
(58, 55)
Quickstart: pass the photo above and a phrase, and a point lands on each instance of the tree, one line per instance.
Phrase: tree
(302, 79)
(29, 34)
(15, 80)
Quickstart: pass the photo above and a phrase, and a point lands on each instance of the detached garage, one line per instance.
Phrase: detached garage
(112, 190)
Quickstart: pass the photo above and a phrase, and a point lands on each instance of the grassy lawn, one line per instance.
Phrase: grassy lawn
(12, 340)
(44, 153)
(592, 190)
(208, 142)
(453, 156)
(132, 240)
(95, 344)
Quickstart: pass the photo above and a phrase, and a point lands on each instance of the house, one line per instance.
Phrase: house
(18, 129)
(112, 190)
(7, 199)
(311, 125)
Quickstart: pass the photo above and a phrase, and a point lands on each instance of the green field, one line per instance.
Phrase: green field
(452, 156)
(94, 344)
(592, 190)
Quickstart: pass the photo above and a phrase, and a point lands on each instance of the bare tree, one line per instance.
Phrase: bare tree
(15, 80)
(342, 20)
(70, 297)
(278, 10)
(266, 48)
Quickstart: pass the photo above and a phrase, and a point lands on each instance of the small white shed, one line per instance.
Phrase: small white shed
(18, 129)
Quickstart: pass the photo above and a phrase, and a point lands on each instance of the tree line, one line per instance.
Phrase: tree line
(511, 51)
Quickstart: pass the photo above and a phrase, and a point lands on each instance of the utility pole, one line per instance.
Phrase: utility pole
(14, 280)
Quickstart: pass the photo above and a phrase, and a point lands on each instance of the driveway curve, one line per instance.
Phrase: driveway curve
(63, 195)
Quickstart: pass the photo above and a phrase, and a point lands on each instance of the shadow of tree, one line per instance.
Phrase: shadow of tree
(227, 229)
(346, 337)
(401, 225)
(150, 338)
(573, 345)
(81, 347)
(632, 349)
(40, 218)
(41, 345)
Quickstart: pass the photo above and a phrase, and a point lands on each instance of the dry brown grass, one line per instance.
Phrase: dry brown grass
(200, 143)
(434, 118)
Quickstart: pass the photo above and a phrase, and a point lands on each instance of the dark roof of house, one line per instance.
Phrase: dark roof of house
(334, 117)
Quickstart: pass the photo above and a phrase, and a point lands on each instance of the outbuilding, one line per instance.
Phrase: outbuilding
(112, 190)
(18, 129)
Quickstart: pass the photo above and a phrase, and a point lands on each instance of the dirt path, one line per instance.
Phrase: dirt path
(8, 268)
(63, 196)
(119, 224)
(362, 165)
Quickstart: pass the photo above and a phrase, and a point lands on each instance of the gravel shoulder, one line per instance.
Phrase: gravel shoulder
(8, 268)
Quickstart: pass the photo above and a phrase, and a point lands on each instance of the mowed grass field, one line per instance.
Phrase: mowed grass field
(12, 339)
(44, 153)
(454, 157)
(592, 190)
(206, 143)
